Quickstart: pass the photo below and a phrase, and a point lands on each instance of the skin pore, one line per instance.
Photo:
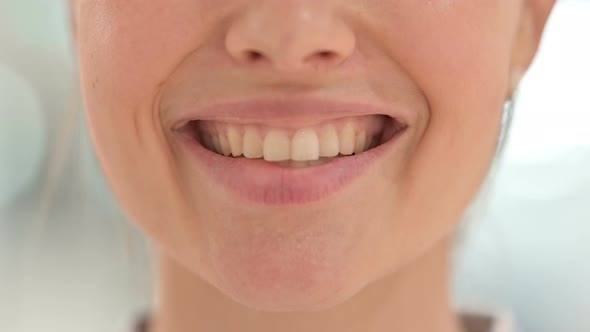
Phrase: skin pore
(373, 256)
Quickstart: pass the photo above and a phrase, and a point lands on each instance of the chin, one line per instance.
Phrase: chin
(312, 269)
(285, 289)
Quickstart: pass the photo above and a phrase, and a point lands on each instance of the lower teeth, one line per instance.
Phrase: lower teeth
(303, 164)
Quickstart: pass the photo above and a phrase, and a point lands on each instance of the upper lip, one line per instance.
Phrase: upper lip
(288, 112)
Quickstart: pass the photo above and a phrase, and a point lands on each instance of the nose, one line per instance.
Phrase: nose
(290, 35)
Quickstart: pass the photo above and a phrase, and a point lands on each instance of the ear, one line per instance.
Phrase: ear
(533, 18)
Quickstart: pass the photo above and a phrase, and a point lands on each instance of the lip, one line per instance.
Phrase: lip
(287, 112)
(259, 181)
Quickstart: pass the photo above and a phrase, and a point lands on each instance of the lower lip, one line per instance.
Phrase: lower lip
(259, 181)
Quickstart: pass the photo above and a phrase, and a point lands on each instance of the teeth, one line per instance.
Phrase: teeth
(368, 144)
(347, 140)
(300, 148)
(235, 141)
(225, 148)
(253, 145)
(303, 164)
(361, 140)
(207, 142)
(329, 142)
(317, 162)
(216, 144)
(305, 145)
(294, 163)
(277, 146)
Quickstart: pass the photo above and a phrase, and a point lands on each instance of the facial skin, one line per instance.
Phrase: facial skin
(450, 63)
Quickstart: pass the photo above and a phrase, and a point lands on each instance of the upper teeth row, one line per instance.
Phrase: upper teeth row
(277, 145)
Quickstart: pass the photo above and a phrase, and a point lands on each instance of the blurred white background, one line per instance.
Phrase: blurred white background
(69, 260)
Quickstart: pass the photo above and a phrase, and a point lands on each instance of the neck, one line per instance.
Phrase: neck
(414, 299)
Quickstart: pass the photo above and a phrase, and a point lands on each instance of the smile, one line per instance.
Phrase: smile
(292, 157)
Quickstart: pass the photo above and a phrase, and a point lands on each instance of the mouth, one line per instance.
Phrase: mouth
(284, 161)
(295, 147)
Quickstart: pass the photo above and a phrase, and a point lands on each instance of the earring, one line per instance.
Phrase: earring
(507, 118)
(509, 105)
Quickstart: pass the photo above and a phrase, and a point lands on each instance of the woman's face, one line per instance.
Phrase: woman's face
(173, 86)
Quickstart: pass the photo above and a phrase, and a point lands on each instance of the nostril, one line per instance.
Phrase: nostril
(253, 55)
(325, 56)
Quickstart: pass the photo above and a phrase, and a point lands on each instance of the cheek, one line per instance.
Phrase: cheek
(460, 60)
(121, 71)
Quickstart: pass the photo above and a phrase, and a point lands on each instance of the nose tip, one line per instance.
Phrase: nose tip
(290, 38)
